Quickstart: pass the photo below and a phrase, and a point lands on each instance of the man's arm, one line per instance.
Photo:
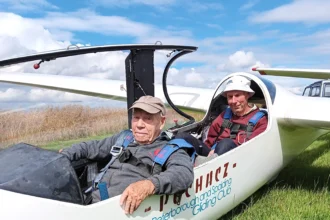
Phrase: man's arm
(178, 175)
(214, 131)
(94, 150)
(260, 127)
(134, 195)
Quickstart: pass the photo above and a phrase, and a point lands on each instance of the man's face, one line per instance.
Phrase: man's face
(146, 127)
(238, 101)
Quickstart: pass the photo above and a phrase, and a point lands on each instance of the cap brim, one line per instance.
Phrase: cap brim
(248, 90)
(145, 107)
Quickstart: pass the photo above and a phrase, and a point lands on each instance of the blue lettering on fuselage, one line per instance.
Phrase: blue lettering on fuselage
(201, 203)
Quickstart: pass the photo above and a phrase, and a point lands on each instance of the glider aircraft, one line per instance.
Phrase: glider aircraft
(318, 89)
(40, 184)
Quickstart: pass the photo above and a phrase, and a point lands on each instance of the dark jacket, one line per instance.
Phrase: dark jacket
(177, 177)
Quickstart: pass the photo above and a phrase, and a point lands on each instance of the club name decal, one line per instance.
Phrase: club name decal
(209, 188)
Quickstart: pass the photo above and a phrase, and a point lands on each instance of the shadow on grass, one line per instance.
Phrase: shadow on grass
(300, 173)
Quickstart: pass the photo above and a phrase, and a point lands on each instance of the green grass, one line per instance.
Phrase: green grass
(301, 191)
(56, 145)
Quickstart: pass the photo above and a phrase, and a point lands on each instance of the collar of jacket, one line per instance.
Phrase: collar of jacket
(254, 107)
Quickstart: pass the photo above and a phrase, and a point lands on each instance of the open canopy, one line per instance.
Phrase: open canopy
(139, 66)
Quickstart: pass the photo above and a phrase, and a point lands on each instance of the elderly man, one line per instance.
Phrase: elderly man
(129, 173)
(232, 127)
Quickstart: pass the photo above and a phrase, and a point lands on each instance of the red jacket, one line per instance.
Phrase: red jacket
(216, 124)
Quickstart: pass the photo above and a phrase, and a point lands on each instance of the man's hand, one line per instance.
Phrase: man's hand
(210, 153)
(134, 194)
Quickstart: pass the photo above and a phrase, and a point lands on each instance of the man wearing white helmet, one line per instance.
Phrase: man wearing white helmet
(227, 133)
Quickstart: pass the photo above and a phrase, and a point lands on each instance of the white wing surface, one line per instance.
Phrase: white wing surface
(300, 111)
(301, 73)
(192, 98)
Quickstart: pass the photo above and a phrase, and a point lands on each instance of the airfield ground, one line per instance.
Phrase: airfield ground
(301, 191)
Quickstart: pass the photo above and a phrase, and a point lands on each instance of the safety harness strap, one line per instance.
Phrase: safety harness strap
(253, 121)
(128, 157)
(172, 146)
(226, 123)
(161, 158)
(235, 127)
(125, 138)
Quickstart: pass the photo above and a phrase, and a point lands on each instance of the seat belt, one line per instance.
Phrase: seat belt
(161, 157)
(235, 128)
(226, 123)
(253, 121)
(102, 186)
(125, 138)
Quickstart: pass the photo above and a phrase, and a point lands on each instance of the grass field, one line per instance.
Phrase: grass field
(51, 124)
(301, 191)
(56, 145)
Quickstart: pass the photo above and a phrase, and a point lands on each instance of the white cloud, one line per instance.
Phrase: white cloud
(11, 94)
(195, 6)
(248, 5)
(88, 21)
(20, 36)
(25, 36)
(109, 65)
(194, 78)
(307, 11)
(11, 47)
(27, 5)
(191, 5)
(315, 43)
(197, 77)
(173, 72)
(61, 27)
(63, 24)
(259, 64)
(215, 26)
(126, 3)
(318, 49)
(216, 43)
(18, 32)
(240, 61)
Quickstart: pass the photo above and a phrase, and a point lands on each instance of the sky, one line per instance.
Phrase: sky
(231, 36)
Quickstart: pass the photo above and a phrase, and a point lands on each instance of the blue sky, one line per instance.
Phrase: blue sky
(231, 35)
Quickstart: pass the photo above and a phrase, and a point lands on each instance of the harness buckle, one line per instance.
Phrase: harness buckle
(238, 138)
(232, 136)
(95, 184)
(116, 150)
(234, 129)
(249, 127)
(227, 124)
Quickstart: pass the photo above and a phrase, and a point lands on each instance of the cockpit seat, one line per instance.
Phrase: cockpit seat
(37, 172)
